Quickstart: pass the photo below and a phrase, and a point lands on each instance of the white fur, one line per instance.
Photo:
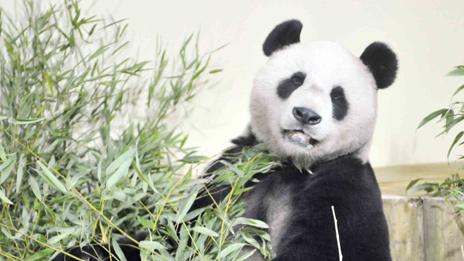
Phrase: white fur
(326, 65)
(277, 202)
(278, 213)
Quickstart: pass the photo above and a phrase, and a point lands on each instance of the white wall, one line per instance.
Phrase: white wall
(428, 37)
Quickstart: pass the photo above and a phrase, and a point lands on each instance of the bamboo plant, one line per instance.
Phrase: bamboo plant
(90, 151)
(450, 118)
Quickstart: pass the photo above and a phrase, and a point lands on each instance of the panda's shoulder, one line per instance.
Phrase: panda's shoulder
(247, 139)
(346, 176)
(343, 166)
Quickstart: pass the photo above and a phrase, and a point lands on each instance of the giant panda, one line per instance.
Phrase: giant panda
(314, 106)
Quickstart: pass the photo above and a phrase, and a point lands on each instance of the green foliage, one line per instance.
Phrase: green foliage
(453, 187)
(451, 116)
(88, 150)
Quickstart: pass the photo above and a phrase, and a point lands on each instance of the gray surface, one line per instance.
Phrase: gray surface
(423, 229)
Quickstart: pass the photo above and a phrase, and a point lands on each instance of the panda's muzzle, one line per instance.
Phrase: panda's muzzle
(299, 137)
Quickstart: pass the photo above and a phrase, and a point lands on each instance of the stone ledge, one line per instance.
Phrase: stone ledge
(423, 229)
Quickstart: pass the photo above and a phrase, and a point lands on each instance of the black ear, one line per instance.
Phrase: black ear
(382, 63)
(283, 34)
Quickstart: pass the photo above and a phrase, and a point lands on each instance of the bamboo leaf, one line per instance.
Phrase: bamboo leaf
(4, 198)
(458, 71)
(205, 231)
(432, 116)
(230, 249)
(193, 158)
(2, 153)
(182, 244)
(451, 123)
(35, 187)
(246, 255)
(49, 177)
(27, 121)
(40, 255)
(215, 71)
(100, 51)
(119, 161)
(458, 90)
(121, 172)
(456, 140)
(151, 245)
(412, 183)
(63, 233)
(118, 250)
(251, 222)
(186, 207)
(119, 168)
(48, 82)
(20, 173)
(6, 168)
(449, 117)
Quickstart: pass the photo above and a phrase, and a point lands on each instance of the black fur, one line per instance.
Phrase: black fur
(95, 252)
(352, 189)
(345, 183)
(287, 86)
(283, 34)
(382, 63)
(339, 103)
(248, 140)
(230, 155)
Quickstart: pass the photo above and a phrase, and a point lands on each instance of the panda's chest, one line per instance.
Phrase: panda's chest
(278, 211)
(272, 201)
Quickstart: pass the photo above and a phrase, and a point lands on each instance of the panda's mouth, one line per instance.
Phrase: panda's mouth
(300, 138)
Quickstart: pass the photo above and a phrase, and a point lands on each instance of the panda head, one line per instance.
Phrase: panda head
(317, 101)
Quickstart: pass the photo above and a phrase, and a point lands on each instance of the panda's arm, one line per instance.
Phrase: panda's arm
(310, 233)
(211, 193)
(96, 252)
(217, 193)
(314, 239)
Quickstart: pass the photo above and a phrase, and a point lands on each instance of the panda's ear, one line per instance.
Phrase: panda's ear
(382, 63)
(283, 34)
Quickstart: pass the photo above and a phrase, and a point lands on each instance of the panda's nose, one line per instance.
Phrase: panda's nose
(306, 116)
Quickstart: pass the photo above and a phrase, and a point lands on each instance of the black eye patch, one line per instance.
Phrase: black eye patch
(339, 103)
(287, 86)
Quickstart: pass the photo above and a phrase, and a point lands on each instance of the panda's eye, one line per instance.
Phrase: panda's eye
(337, 93)
(287, 86)
(298, 79)
(339, 102)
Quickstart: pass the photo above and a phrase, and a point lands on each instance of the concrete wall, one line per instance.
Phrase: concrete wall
(428, 37)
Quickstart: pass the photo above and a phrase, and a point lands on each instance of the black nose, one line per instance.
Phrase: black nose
(306, 116)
